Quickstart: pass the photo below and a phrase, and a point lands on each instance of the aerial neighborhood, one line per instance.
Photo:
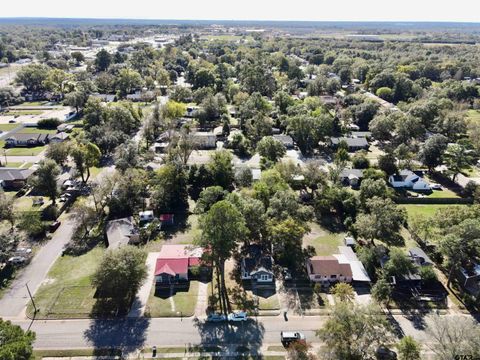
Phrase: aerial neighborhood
(230, 190)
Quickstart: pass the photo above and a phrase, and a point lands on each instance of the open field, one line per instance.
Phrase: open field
(67, 291)
(473, 116)
(25, 151)
(8, 127)
(180, 304)
(324, 242)
(35, 130)
(424, 210)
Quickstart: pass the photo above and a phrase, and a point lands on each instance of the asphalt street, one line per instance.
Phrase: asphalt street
(16, 298)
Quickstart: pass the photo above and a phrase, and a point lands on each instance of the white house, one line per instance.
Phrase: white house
(408, 180)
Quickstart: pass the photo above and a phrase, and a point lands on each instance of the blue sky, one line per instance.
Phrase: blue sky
(329, 10)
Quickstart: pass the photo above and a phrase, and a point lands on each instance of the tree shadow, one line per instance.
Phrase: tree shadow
(181, 225)
(126, 335)
(247, 334)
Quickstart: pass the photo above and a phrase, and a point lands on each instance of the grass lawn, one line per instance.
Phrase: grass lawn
(182, 303)
(324, 242)
(444, 193)
(40, 354)
(473, 116)
(13, 164)
(35, 130)
(94, 171)
(25, 203)
(25, 151)
(424, 210)
(23, 112)
(67, 292)
(269, 303)
(33, 103)
(8, 127)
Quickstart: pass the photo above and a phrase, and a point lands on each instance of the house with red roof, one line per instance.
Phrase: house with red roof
(174, 263)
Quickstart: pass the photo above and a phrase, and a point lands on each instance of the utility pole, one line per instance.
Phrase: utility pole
(31, 298)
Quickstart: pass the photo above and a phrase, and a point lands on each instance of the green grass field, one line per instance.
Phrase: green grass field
(324, 242)
(445, 193)
(25, 151)
(184, 303)
(423, 210)
(23, 112)
(8, 127)
(473, 116)
(34, 130)
(67, 291)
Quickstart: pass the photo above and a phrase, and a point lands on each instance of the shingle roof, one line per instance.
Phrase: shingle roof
(351, 142)
(329, 265)
(11, 174)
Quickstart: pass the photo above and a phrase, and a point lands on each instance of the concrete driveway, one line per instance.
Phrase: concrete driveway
(138, 306)
(15, 300)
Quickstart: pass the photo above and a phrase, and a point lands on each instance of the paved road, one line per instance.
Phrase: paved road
(135, 333)
(16, 298)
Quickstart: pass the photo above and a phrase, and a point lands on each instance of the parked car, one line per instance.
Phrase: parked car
(216, 318)
(12, 121)
(289, 337)
(54, 226)
(436, 186)
(17, 260)
(23, 251)
(238, 316)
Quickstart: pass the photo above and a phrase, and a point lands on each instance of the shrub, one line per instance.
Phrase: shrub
(49, 124)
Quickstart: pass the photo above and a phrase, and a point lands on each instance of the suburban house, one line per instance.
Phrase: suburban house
(342, 267)
(65, 128)
(13, 178)
(141, 96)
(469, 278)
(204, 140)
(27, 140)
(121, 232)
(59, 137)
(419, 257)
(286, 140)
(105, 97)
(351, 177)
(407, 179)
(353, 143)
(257, 267)
(174, 263)
(327, 270)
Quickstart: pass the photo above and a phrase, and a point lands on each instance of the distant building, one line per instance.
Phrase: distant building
(204, 140)
(286, 140)
(353, 143)
(13, 178)
(19, 139)
(59, 137)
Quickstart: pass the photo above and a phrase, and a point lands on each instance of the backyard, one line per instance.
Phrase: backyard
(324, 241)
(67, 291)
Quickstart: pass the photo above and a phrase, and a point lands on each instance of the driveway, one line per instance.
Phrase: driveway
(14, 301)
(138, 306)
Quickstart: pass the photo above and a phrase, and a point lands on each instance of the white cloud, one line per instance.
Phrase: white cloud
(332, 10)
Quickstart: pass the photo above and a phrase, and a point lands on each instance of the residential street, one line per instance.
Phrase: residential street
(16, 298)
(136, 333)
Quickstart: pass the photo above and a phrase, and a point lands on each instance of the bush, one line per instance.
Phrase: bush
(49, 124)
(32, 224)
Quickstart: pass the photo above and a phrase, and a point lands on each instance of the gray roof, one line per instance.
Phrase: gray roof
(351, 142)
(119, 232)
(420, 254)
(32, 136)
(284, 139)
(11, 174)
(347, 173)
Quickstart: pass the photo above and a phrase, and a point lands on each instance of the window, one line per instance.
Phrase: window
(333, 276)
(264, 277)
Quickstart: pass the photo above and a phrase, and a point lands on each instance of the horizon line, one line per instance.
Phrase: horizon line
(239, 20)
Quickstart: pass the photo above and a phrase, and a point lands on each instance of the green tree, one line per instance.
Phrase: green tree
(58, 152)
(353, 332)
(45, 179)
(85, 156)
(32, 77)
(457, 158)
(103, 59)
(15, 343)
(221, 169)
(382, 292)
(431, 154)
(343, 292)
(208, 197)
(271, 150)
(127, 81)
(32, 224)
(120, 275)
(170, 189)
(286, 238)
(223, 227)
(408, 349)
